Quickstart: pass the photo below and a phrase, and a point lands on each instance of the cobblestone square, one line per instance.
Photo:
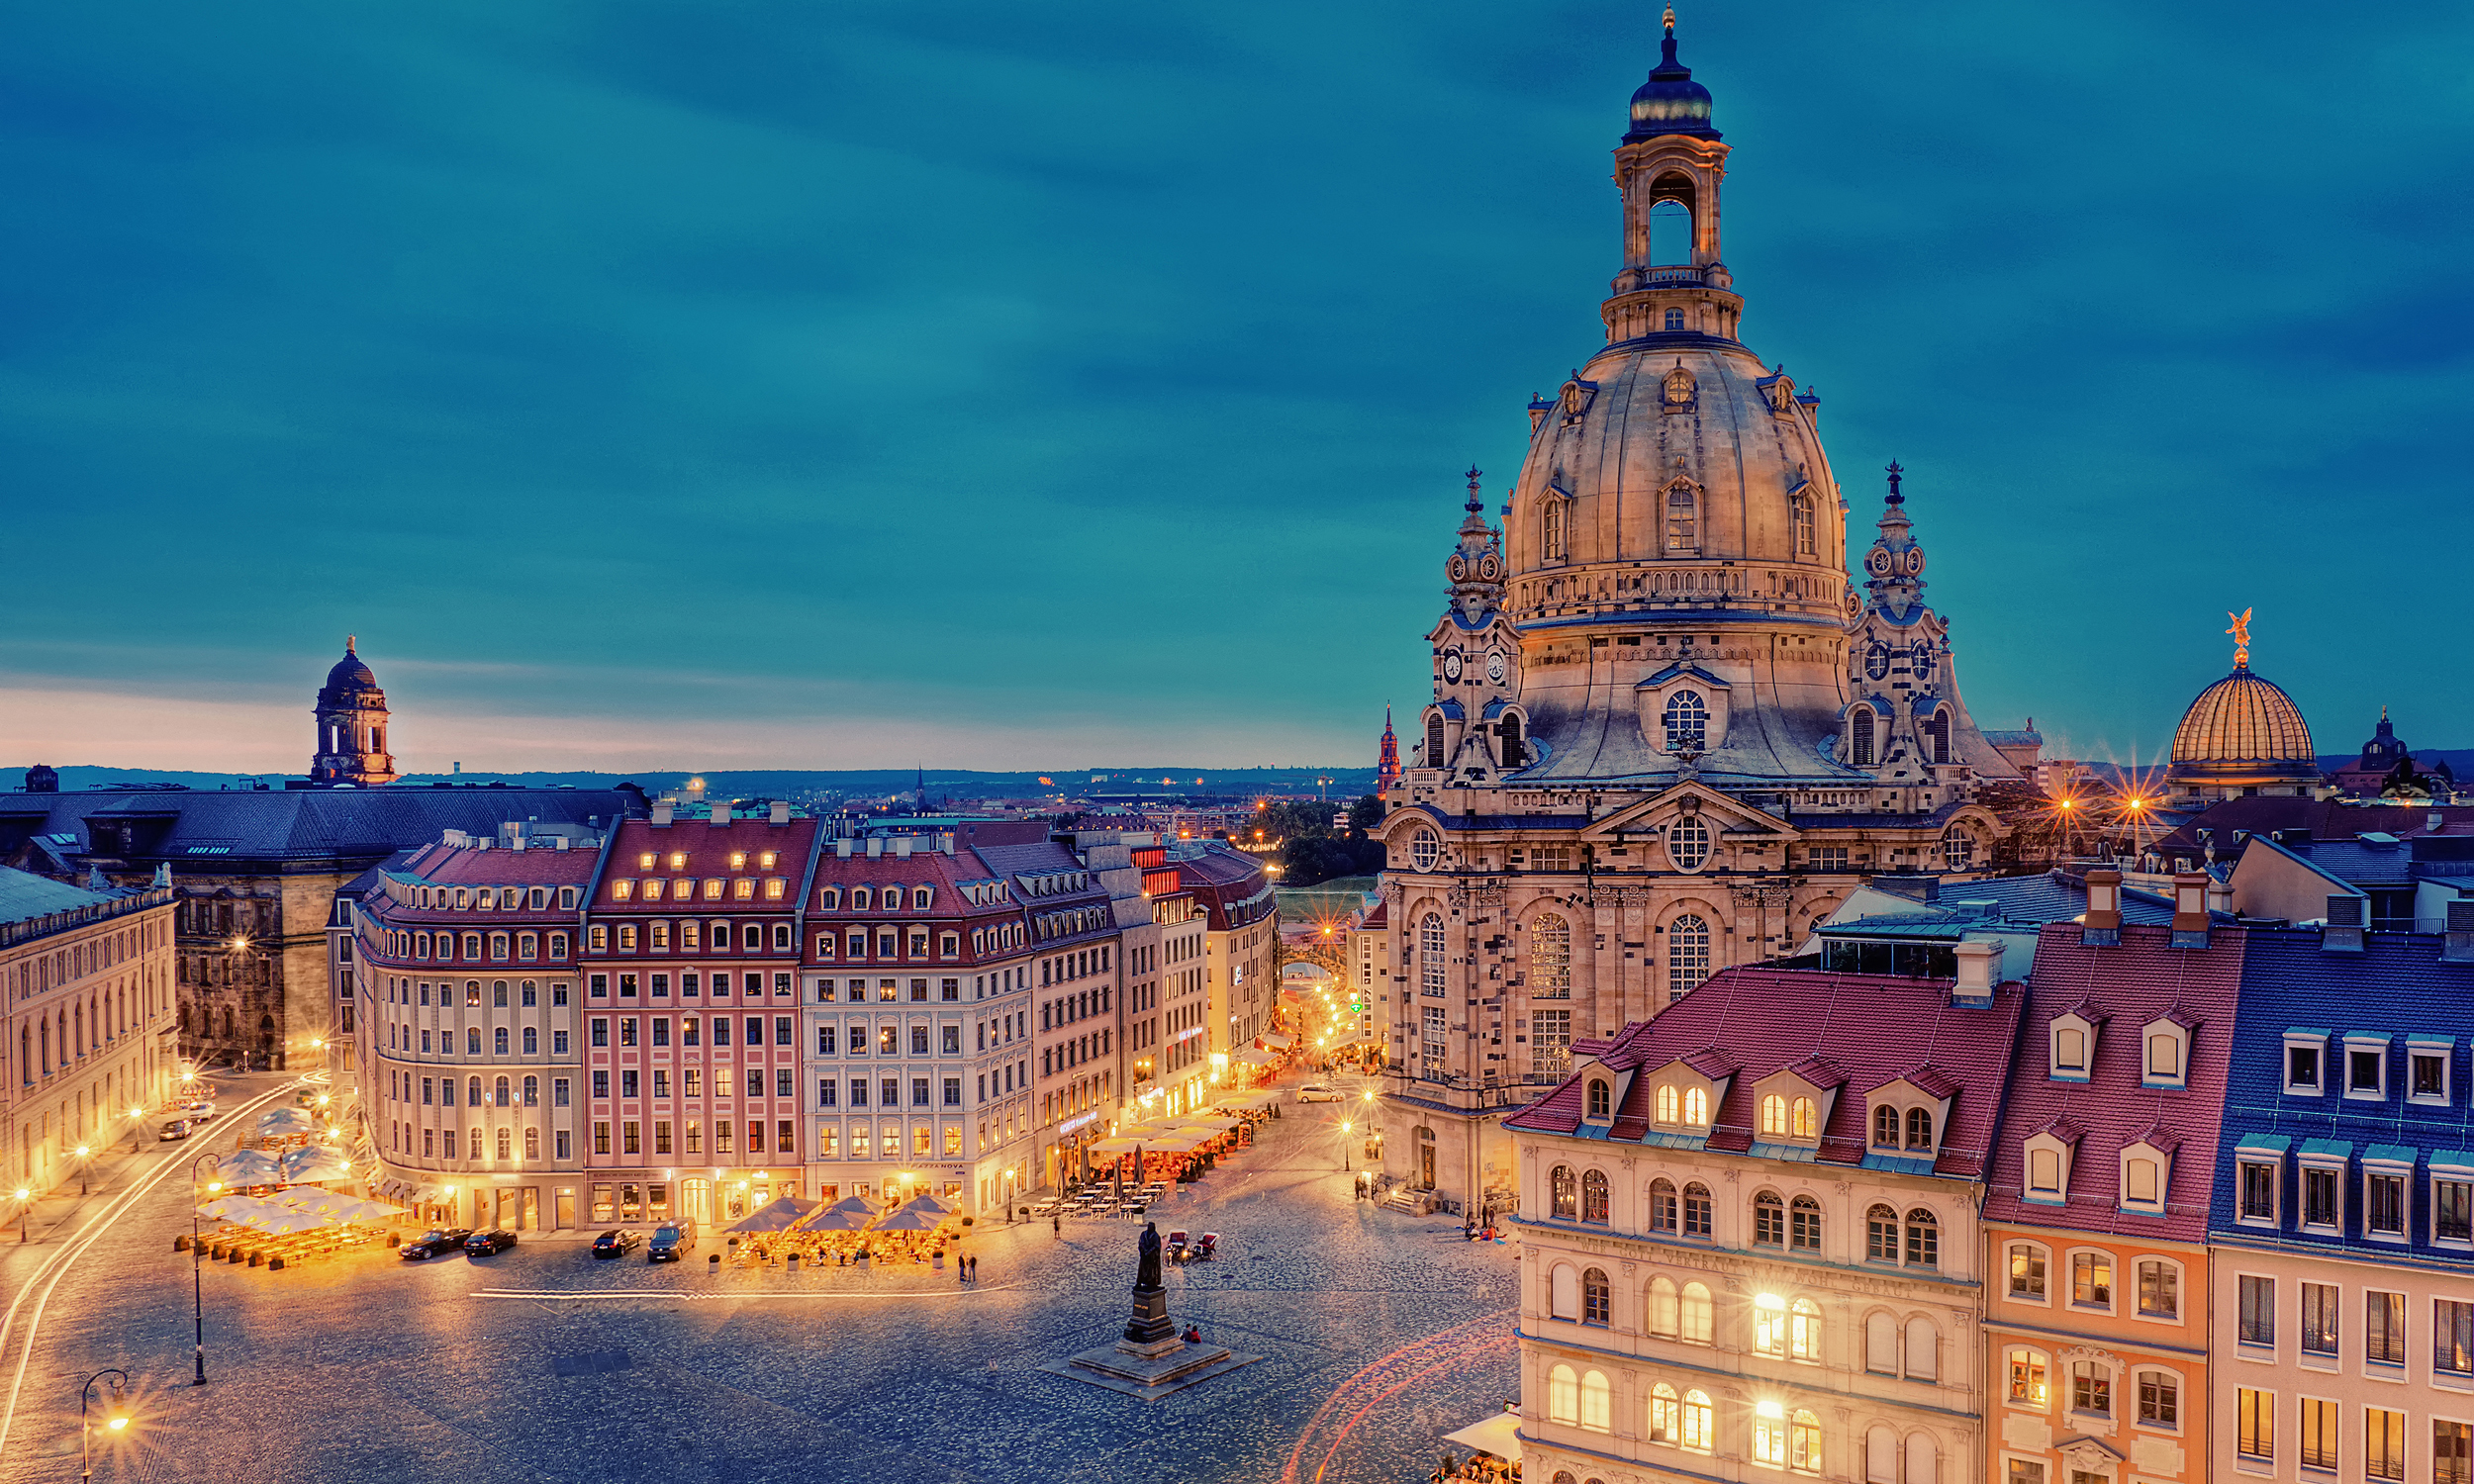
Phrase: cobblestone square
(1378, 1332)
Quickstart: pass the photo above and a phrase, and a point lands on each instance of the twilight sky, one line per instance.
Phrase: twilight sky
(1016, 385)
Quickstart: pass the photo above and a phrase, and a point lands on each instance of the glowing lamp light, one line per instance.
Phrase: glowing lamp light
(81, 1152)
(1770, 1409)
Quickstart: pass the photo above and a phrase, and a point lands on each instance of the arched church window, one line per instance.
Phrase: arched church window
(1937, 736)
(1551, 529)
(1859, 737)
(1802, 507)
(1687, 721)
(1683, 525)
(1430, 953)
(1687, 954)
(1434, 740)
(1549, 957)
(1508, 732)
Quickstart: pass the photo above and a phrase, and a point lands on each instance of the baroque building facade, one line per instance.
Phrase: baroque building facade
(1667, 733)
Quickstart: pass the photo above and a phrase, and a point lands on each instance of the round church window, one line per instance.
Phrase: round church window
(1688, 843)
(1424, 850)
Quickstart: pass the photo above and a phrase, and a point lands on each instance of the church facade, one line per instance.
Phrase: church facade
(1668, 732)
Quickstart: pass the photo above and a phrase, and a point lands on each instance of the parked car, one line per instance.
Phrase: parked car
(617, 1241)
(197, 1110)
(1316, 1092)
(434, 1242)
(489, 1243)
(177, 1129)
(670, 1240)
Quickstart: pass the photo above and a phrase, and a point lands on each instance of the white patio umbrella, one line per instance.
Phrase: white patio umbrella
(285, 1121)
(836, 1219)
(248, 1166)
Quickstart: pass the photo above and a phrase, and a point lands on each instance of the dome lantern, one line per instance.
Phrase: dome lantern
(1670, 102)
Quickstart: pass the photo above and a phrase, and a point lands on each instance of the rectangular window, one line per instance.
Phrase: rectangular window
(2452, 1211)
(2383, 1444)
(661, 1136)
(828, 1092)
(2023, 1471)
(558, 1092)
(2319, 1317)
(2384, 1204)
(2091, 1280)
(2452, 1336)
(2302, 1069)
(627, 1082)
(2322, 1190)
(2383, 1328)
(2027, 1377)
(2159, 1290)
(2258, 1317)
(600, 1032)
(2451, 1444)
(2255, 1424)
(2159, 1398)
(2428, 1077)
(2091, 1387)
(2027, 1271)
(2318, 1425)
(564, 1150)
(600, 1136)
(2366, 1072)
(601, 1082)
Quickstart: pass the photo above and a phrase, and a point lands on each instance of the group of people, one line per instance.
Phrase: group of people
(1482, 1468)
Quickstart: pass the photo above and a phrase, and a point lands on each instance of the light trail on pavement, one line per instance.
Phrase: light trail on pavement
(1385, 1377)
(48, 1274)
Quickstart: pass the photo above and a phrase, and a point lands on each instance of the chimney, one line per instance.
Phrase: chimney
(2219, 896)
(2102, 926)
(722, 816)
(842, 849)
(1979, 970)
(563, 843)
(2343, 932)
(876, 847)
(2190, 909)
(519, 842)
(781, 811)
(946, 843)
(661, 815)
(902, 849)
(2457, 944)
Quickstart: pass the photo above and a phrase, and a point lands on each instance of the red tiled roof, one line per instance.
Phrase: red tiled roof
(452, 866)
(708, 849)
(1872, 1029)
(2142, 979)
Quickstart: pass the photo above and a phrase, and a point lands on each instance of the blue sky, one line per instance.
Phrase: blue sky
(1005, 386)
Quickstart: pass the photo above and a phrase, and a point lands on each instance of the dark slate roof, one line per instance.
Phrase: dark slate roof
(1231, 886)
(2003, 901)
(1874, 1029)
(2142, 979)
(2396, 985)
(2325, 820)
(304, 824)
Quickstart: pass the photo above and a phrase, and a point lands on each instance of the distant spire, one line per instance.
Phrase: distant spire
(348, 643)
(1894, 472)
(1473, 506)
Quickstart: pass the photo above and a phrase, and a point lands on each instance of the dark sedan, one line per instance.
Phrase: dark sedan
(489, 1243)
(617, 1243)
(431, 1244)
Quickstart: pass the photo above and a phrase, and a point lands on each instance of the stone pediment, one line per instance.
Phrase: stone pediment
(1723, 811)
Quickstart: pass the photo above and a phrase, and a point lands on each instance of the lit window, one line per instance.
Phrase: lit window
(1670, 1104)
(1697, 1108)
(2027, 1271)
(2026, 1378)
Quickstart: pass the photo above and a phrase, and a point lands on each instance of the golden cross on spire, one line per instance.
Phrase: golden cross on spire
(2242, 638)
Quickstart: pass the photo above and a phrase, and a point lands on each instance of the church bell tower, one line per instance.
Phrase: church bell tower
(352, 727)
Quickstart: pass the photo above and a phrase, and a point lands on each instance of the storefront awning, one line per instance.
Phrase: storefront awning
(1498, 1435)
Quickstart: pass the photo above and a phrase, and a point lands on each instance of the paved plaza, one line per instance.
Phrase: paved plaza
(1378, 1332)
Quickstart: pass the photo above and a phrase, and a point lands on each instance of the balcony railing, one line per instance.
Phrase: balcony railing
(1673, 275)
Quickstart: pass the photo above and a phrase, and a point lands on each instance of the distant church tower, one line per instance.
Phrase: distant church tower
(352, 727)
(1387, 763)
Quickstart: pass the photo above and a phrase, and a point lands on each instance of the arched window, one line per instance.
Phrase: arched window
(1769, 1325)
(1859, 736)
(1880, 1234)
(1670, 1104)
(1697, 1320)
(1804, 1224)
(1687, 720)
(1885, 1127)
(1430, 953)
(1924, 1461)
(1594, 1304)
(532, 1144)
(1804, 1443)
(1565, 1295)
(1563, 1193)
(1598, 1402)
(1697, 1108)
(1551, 528)
(1507, 732)
(1663, 1308)
(499, 1040)
(1775, 1115)
(1804, 1119)
(1593, 1199)
(1769, 1220)
(1959, 851)
(505, 1144)
(1696, 1421)
(1683, 526)
(1434, 740)
(1881, 1343)
(1562, 1395)
(1697, 1207)
(1880, 1456)
(502, 1091)
(1770, 1434)
(1923, 1238)
(1662, 1206)
(1804, 1331)
(532, 1092)
(472, 1092)
(1687, 954)
(1601, 1102)
(1924, 1350)
(1551, 957)
(1920, 1128)
(1801, 506)
(1937, 736)
(1666, 1415)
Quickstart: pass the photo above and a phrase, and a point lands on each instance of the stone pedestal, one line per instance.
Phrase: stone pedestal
(1151, 1360)
(1150, 1323)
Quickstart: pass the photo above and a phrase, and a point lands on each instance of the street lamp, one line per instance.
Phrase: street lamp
(197, 1264)
(136, 1117)
(115, 1414)
(1343, 1146)
(83, 1164)
(25, 1205)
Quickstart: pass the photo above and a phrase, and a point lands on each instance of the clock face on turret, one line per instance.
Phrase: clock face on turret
(1494, 667)
(1452, 667)
(1879, 562)
(1457, 569)
(1490, 567)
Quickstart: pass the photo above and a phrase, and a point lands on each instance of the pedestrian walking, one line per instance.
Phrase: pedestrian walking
(975, 1269)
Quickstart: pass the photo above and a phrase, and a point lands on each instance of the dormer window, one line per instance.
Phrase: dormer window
(829, 898)
(2367, 1067)
(2073, 1049)
(2305, 1057)
(1697, 1108)
(1783, 1117)
(2070, 1050)
(859, 899)
(1920, 1129)
(1601, 1100)
(2165, 1053)
(2145, 1171)
(1670, 1104)
(1885, 1128)
(2427, 1068)
(2048, 1152)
